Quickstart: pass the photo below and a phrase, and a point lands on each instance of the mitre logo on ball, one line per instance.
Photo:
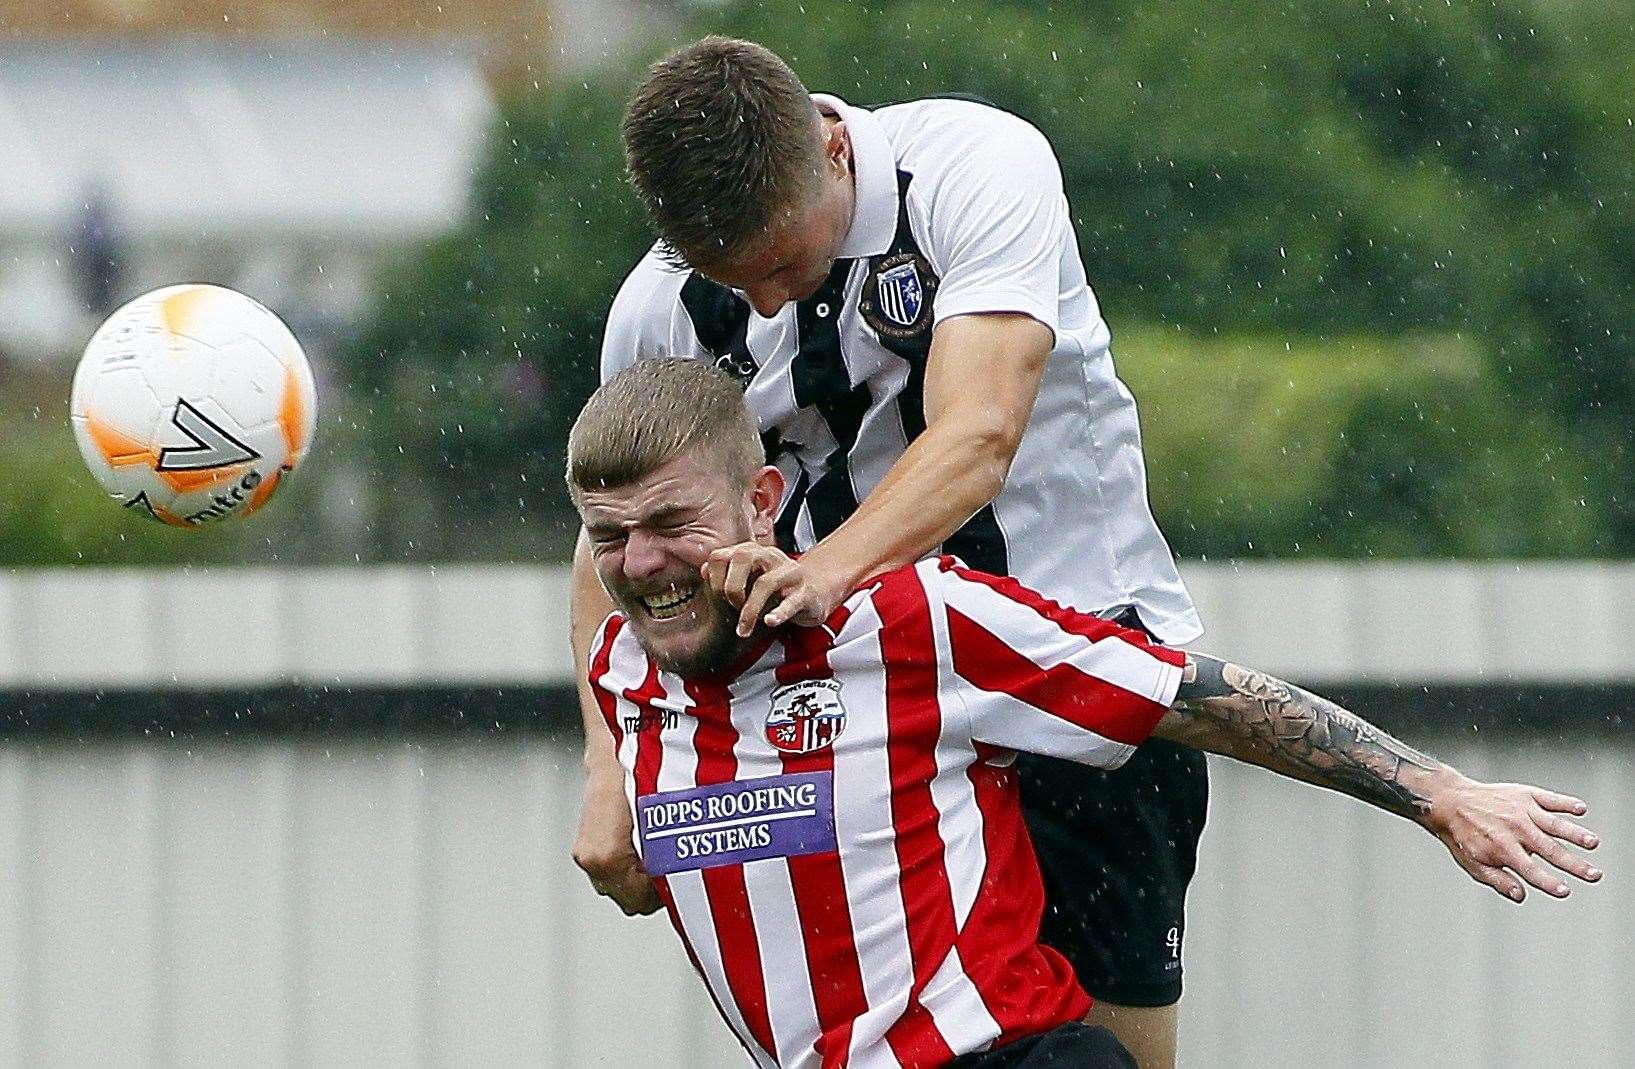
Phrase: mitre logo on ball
(805, 716)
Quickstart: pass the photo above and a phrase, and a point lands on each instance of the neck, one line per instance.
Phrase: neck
(732, 660)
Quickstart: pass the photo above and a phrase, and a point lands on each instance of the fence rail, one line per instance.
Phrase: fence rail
(1416, 623)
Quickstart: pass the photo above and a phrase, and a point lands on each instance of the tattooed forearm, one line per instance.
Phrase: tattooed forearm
(1251, 715)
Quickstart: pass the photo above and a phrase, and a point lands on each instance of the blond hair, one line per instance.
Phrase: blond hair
(657, 410)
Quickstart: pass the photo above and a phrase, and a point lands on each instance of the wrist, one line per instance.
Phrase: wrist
(1436, 786)
(844, 571)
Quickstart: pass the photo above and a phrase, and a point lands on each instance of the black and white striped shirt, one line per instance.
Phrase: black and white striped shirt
(959, 210)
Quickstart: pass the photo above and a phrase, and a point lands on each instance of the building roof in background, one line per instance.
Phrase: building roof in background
(180, 136)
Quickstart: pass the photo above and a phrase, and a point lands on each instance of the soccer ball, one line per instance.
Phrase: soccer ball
(192, 403)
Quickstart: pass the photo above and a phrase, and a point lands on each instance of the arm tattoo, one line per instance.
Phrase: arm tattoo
(1300, 734)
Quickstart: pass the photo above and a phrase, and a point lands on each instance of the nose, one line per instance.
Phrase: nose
(643, 555)
(767, 299)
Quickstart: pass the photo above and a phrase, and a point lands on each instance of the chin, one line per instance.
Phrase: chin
(689, 656)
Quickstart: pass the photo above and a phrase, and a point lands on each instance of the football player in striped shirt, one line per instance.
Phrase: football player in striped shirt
(831, 813)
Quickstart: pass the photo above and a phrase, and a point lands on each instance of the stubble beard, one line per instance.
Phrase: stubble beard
(714, 651)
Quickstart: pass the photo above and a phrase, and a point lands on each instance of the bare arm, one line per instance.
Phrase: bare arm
(1245, 714)
(982, 376)
(603, 848)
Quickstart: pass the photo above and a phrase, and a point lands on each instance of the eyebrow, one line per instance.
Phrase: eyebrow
(667, 512)
(658, 516)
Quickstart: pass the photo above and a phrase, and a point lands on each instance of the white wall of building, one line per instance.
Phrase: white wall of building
(478, 624)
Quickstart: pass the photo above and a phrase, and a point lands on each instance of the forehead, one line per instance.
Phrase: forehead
(783, 238)
(684, 481)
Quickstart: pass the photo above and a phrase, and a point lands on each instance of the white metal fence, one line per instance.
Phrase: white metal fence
(401, 904)
(410, 902)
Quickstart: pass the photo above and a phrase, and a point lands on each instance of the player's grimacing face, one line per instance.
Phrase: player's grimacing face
(649, 542)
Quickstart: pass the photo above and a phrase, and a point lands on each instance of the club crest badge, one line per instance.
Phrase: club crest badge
(805, 716)
(897, 294)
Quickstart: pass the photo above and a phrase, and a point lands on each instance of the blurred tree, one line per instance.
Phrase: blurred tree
(486, 343)
(1265, 171)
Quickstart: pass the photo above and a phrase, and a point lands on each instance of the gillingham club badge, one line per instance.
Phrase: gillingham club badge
(896, 299)
(805, 716)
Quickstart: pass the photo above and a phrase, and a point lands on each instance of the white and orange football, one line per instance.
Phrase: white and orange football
(192, 403)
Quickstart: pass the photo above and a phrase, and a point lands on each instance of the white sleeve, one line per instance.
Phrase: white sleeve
(1039, 677)
(638, 322)
(996, 226)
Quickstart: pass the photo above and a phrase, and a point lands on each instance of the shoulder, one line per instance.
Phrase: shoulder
(649, 293)
(902, 598)
(640, 320)
(617, 662)
(940, 139)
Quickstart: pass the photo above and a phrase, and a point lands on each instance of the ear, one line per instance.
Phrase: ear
(837, 145)
(765, 495)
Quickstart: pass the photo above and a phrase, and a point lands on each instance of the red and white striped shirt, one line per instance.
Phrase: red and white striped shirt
(835, 830)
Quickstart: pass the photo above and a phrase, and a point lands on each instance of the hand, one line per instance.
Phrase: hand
(604, 850)
(766, 582)
(1493, 827)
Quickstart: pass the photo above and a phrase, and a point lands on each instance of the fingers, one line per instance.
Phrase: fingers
(1562, 828)
(1553, 852)
(778, 582)
(1538, 874)
(730, 570)
(768, 586)
(735, 584)
(800, 607)
(618, 875)
(1493, 876)
(1559, 803)
(635, 894)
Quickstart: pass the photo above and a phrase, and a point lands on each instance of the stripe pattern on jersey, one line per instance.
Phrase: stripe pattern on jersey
(822, 382)
(915, 940)
(980, 541)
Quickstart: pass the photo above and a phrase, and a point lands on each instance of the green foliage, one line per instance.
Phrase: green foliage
(485, 345)
(1443, 191)
(1349, 446)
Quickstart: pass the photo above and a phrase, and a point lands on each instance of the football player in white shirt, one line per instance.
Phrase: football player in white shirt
(831, 811)
(900, 293)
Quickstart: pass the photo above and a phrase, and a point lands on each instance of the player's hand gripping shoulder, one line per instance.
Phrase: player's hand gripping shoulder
(764, 581)
(1497, 832)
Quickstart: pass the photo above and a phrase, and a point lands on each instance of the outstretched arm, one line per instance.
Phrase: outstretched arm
(1489, 828)
(944, 476)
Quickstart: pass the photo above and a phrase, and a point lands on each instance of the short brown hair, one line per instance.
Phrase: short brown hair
(654, 411)
(719, 137)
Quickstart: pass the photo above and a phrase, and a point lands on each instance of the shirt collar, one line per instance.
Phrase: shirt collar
(874, 218)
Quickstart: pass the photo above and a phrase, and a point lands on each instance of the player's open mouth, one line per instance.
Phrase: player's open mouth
(669, 604)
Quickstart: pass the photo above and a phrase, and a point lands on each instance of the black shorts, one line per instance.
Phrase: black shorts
(1071, 1046)
(1117, 850)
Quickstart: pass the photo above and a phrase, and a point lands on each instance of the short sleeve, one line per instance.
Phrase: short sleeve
(997, 223)
(638, 321)
(1039, 677)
